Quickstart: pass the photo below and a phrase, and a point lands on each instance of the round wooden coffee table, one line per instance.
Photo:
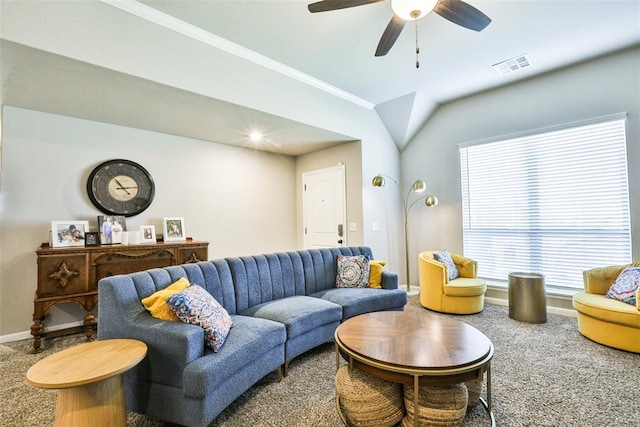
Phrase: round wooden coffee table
(418, 348)
(89, 380)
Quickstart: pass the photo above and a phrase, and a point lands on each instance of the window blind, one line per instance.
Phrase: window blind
(555, 202)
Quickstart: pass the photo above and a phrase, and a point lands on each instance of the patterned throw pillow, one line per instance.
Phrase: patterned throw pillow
(445, 258)
(375, 273)
(626, 285)
(196, 306)
(156, 303)
(353, 271)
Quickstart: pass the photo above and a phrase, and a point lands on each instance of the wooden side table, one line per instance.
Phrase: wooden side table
(89, 379)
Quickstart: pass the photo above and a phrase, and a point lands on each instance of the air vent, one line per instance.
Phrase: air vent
(513, 64)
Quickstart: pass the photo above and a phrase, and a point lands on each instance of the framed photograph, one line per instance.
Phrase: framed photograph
(147, 234)
(68, 233)
(173, 229)
(111, 228)
(92, 238)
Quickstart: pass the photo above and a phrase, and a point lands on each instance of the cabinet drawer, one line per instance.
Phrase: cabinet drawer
(62, 275)
(192, 254)
(130, 261)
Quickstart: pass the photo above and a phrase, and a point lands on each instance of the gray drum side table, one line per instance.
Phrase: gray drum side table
(527, 297)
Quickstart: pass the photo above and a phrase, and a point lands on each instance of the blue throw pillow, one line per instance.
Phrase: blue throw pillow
(445, 258)
(353, 271)
(625, 287)
(196, 306)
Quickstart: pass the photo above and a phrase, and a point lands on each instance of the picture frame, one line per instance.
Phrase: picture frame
(147, 234)
(111, 228)
(68, 233)
(173, 229)
(92, 238)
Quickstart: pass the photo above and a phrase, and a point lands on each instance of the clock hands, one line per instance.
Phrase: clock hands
(121, 186)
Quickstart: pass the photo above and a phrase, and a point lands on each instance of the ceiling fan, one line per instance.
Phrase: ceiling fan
(455, 11)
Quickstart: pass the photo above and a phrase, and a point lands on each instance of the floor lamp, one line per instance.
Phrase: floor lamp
(430, 200)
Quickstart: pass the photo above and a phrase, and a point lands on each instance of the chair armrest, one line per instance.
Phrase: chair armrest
(431, 270)
(466, 266)
(599, 280)
(389, 280)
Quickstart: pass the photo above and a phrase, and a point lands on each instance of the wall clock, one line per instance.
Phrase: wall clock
(120, 187)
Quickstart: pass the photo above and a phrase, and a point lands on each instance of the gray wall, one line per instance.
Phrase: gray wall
(592, 89)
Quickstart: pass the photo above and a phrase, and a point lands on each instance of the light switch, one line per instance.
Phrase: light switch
(375, 226)
(353, 226)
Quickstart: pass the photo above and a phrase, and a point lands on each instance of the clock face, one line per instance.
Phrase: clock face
(120, 187)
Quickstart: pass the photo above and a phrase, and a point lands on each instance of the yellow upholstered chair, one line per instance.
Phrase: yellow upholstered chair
(463, 295)
(604, 320)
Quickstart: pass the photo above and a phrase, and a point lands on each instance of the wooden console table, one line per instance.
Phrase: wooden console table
(72, 274)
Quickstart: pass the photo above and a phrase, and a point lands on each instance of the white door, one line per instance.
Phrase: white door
(324, 208)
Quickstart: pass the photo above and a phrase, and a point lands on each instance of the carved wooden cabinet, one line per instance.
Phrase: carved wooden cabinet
(72, 274)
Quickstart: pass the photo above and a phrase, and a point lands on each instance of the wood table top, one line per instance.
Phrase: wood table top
(86, 363)
(414, 340)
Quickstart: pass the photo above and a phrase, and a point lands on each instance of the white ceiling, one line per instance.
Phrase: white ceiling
(335, 51)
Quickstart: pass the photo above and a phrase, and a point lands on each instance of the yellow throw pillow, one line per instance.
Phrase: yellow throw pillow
(375, 273)
(156, 302)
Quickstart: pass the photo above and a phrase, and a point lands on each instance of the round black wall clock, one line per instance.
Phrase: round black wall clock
(120, 187)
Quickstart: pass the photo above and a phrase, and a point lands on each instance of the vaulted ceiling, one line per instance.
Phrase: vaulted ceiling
(334, 51)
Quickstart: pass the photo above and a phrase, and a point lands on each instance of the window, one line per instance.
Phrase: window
(555, 202)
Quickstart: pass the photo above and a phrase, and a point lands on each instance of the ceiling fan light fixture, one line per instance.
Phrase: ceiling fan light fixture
(412, 10)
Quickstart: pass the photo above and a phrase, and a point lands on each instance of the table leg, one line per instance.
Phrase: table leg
(416, 400)
(96, 404)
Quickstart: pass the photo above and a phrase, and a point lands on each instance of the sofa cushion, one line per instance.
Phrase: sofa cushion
(352, 271)
(606, 309)
(445, 258)
(626, 285)
(359, 301)
(465, 287)
(196, 306)
(156, 303)
(248, 338)
(299, 314)
(375, 273)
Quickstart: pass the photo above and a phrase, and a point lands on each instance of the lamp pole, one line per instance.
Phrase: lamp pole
(430, 200)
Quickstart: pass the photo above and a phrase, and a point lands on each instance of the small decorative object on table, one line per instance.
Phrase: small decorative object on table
(147, 234)
(68, 233)
(92, 238)
(173, 229)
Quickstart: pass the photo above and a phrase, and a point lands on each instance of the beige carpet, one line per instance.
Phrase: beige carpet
(543, 375)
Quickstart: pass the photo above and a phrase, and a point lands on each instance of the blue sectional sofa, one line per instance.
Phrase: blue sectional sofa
(281, 304)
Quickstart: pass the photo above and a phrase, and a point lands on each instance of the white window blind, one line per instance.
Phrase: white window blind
(555, 203)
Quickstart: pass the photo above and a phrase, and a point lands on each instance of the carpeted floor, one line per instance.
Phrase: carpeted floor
(542, 375)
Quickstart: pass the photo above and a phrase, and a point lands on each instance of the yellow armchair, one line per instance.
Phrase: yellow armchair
(604, 320)
(463, 295)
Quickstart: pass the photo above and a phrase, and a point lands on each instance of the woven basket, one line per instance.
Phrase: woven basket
(368, 401)
(474, 387)
(439, 406)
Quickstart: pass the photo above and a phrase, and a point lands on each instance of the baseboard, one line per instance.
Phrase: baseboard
(18, 336)
(550, 309)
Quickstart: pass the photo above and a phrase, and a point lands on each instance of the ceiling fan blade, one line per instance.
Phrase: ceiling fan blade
(390, 35)
(327, 5)
(462, 14)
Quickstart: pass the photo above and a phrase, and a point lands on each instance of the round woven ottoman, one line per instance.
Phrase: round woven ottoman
(474, 388)
(442, 406)
(364, 400)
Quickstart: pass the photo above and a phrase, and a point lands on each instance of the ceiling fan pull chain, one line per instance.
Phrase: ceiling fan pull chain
(417, 47)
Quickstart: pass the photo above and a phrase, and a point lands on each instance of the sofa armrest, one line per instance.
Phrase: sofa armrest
(390, 280)
(599, 280)
(122, 315)
(466, 266)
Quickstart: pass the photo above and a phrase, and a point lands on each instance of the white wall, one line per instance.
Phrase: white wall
(242, 201)
(592, 89)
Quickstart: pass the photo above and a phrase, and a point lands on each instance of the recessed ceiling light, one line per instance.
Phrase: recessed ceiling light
(513, 64)
(255, 136)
